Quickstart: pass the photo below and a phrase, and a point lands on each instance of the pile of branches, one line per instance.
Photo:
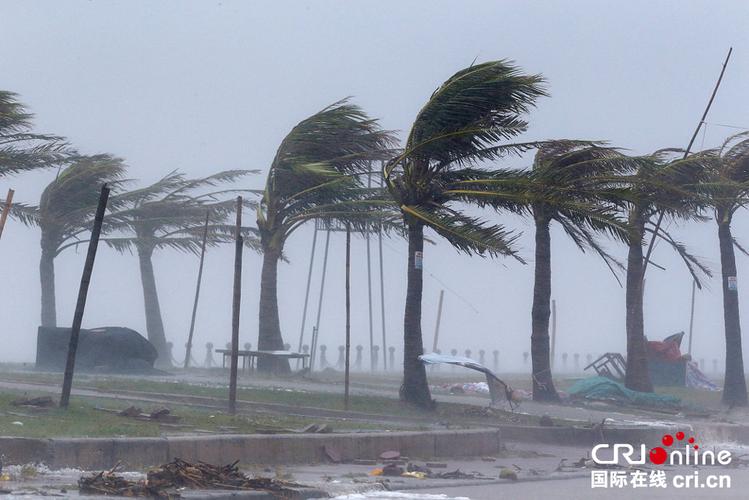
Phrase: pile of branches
(167, 480)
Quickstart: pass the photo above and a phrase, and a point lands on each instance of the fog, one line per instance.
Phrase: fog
(206, 86)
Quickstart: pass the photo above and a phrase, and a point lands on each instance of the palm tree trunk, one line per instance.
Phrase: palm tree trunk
(543, 385)
(638, 376)
(154, 323)
(415, 388)
(47, 278)
(734, 385)
(269, 328)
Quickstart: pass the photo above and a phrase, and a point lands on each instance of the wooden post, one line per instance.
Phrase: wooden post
(197, 292)
(236, 299)
(439, 318)
(80, 305)
(348, 315)
(6, 210)
(553, 331)
(691, 316)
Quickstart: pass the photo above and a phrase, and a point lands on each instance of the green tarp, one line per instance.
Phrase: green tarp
(605, 389)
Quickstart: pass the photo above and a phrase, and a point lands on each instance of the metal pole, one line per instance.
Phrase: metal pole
(439, 319)
(686, 153)
(319, 302)
(197, 292)
(80, 306)
(369, 289)
(348, 314)
(691, 316)
(553, 330)
(236, 300)
(6, 210)
(306, 293)
(382, 297)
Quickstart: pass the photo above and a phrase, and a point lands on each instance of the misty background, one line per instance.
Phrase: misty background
(203, 86)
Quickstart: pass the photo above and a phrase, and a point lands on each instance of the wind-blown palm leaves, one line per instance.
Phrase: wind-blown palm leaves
(660, 184)
(729, 191)
(64, 215)
(462, 124)
(21, 149)
(170, 214)
(570, 187)
(315, 175)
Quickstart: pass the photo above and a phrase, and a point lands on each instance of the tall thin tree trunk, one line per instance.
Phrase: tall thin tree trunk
(543, 385)
(734, 384)
(47, 278)
(637, 376)
(269, 328)
(415, 388)
(154, 322)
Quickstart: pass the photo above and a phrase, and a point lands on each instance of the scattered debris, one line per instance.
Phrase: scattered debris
(162, 482)
(436, 465)
(161, 415)
(488, 459)
(18, 423)
(40, 402)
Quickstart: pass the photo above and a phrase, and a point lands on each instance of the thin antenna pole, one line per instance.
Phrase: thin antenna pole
(197, 292)
(439, 319)
(88, 268)
(382, 297)
(553, 330)
(6, 210)
(319, 301)
(236, 302)
(369, 290)
(686, 153)
(348, 315)
(691, 316)
(306, 293)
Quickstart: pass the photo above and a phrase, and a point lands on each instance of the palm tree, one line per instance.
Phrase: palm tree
(569, 179)
(22, 150)
(730, 176)
(314, 175)
(659, 185)
(169, 214)
(462, 124)
(64, 214)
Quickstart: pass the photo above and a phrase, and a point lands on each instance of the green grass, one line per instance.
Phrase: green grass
(82, 419)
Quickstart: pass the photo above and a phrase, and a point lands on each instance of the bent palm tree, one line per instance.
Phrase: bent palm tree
(569, 179)
(168, 214)
(669, 186)
(22, 150)
(462, 124)
(64, 214)
(314, 175)
(731, 179)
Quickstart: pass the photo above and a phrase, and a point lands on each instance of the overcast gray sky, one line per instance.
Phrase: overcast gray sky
(203, 86)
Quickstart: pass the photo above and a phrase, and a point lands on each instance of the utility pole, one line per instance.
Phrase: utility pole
(553, 330)
(237, 297)
(439, 318)
(197, 292)
(80, 306)
(691, 316)
(348, 314)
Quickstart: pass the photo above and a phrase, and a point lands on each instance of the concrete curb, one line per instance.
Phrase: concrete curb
(135, 453)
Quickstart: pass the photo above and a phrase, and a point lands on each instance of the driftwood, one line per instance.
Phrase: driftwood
(165, 481)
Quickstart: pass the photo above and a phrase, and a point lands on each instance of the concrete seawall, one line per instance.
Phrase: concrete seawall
(133, 453)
